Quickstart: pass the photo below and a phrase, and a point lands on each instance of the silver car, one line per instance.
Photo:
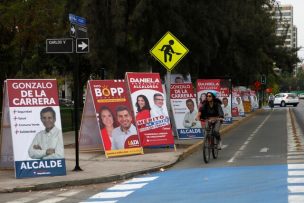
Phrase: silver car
(284, 99)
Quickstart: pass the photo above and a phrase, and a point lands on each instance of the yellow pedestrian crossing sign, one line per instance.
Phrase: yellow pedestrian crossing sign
(169, 51)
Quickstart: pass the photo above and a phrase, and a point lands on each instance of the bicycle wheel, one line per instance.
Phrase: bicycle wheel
(214, 148)
(206, 149)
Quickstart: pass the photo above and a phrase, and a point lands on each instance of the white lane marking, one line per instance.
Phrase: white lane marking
(237, 153)
(265, 149)
(295, 189)
(295, 153)
(136, 180)
(128, 186)
(295, 157)
(295, 180)
(111, 194)
(295, 198)
(22, 200)
(295, 166)
(53, 200)
(295, 173)
(224, 146)
(69, 193)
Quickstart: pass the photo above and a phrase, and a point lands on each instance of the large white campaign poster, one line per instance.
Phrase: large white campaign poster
(36, 128)
(185, 111)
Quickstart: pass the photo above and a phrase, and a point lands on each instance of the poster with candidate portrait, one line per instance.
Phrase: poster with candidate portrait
(206, 85)
(253, 100)
(237, 104)
(151, 113)
(184, 108)
(245, 94)
(108, 106)
(35, 128)
(225, 96)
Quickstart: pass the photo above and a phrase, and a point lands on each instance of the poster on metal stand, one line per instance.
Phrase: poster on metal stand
(226, 98)
(108, 118)
(184, 109)
(6, 140)
(89, 133)
(151, 113)
(35, 122)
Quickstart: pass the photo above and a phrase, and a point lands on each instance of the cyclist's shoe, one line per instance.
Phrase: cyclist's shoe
(219, 145)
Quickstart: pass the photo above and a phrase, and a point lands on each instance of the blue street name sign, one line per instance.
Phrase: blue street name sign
(77, 20)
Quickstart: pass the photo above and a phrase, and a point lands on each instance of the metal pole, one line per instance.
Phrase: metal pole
(76, 111)
(102, 73)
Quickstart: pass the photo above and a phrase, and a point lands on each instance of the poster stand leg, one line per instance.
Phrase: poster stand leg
(76, 112)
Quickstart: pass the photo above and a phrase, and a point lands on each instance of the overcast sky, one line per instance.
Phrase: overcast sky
(298, 21)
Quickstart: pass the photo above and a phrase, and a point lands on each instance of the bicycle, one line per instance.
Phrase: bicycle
(210, 142)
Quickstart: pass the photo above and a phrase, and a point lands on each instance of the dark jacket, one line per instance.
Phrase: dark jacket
(215, 111)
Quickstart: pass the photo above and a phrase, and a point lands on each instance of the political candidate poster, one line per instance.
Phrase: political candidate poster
(253, 100)
(225, 96)
(114, 117)
(237, 103)
(184, 108)
(35, 128)
(206, 85)
(245, 94)
(151, 113)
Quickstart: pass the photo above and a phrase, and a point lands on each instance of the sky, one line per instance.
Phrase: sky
(298, 21)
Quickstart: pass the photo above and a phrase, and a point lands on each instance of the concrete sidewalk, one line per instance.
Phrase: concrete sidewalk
(98, 169)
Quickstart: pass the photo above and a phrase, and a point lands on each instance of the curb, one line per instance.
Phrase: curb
(188, 151)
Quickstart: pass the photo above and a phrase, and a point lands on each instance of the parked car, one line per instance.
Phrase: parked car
(66, 102)
(301, 96)
(284, 99)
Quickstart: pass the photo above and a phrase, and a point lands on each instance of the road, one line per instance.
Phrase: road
(262, 161)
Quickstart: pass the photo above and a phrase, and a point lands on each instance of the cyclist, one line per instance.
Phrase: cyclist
(212, 111)
(271, 101)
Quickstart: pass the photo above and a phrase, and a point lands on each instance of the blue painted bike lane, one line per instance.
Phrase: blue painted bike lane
(230, 184)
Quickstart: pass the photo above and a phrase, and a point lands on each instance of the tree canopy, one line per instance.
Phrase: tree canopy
(226, 38)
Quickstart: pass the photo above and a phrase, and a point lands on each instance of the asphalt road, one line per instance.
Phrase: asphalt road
(260, 162)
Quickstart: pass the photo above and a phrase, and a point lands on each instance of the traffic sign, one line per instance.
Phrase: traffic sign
(63, 45)
(82, 45)
(263, 79)
(169, 51)
(81, 32)
(77, 20)
(77, 31)
(73, 30)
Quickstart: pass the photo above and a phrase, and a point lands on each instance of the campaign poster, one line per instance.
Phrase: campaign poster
(179, 78)
(237, 104)
(245, 94)
(206, 85)
(36, 128)
(151, 113)
(253, 100)
(184, 107)
(115, 117)
(225, 97)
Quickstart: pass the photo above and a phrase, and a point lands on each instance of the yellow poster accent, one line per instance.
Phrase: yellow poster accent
(169, 51)
(121, 152)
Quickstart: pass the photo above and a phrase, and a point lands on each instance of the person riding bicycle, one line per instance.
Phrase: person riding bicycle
(212, 111)
(271, 100)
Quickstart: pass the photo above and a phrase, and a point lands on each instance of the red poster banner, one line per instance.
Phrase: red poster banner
(206, 85)
(115, 117)
(148, 100)
(24, 93)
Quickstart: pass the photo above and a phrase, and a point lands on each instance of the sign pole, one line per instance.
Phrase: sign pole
(76, 111)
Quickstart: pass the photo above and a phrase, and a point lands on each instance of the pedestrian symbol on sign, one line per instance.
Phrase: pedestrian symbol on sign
(169, 51)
